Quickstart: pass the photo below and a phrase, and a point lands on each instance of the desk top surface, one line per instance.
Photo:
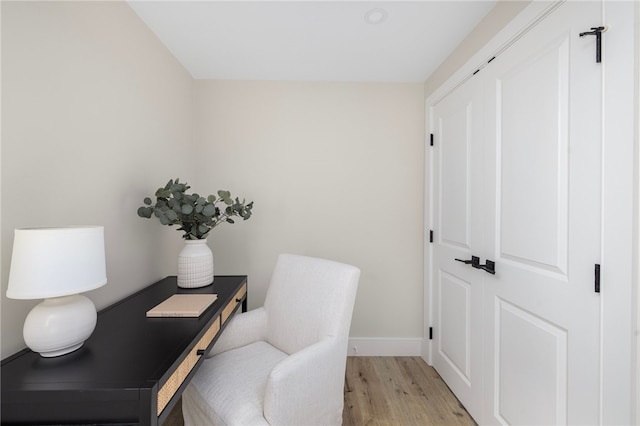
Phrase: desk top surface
(126, 350)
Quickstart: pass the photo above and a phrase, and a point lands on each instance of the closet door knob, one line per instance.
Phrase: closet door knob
(489, 266)
(474, 261)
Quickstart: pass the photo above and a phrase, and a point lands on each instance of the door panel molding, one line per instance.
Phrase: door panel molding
(455, 136)
(547, 361)
(536, 173)
(454, 335)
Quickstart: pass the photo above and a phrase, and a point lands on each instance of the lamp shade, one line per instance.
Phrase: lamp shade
(53, 262)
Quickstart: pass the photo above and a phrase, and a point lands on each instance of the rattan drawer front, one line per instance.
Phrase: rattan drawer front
(170, 387)
(228, 310)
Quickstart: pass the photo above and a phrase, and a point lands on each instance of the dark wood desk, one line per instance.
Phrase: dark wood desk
(132, 370)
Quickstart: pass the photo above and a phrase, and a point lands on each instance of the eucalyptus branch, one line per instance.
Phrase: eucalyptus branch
(196, 215)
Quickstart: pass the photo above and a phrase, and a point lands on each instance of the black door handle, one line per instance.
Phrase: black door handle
(489, 266)
(596, 31)
(474, 261)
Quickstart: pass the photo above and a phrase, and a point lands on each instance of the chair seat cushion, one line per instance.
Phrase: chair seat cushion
(229, 388)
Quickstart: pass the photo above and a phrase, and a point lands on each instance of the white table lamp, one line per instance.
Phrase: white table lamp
(56, 264)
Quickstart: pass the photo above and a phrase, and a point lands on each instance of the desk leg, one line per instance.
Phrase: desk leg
(244, 304)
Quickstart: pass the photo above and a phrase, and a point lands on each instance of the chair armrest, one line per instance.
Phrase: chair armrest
(242, 329)
(308, 386)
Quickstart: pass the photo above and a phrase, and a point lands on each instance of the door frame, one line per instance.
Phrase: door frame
(620, 363)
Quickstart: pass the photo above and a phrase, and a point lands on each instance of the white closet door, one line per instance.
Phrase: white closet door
(543, 180)
(457, 288)
(516, 180)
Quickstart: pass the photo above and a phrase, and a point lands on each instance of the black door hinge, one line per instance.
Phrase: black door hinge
(430, 333)
(597, 278)
(431, 235)
(431, 139)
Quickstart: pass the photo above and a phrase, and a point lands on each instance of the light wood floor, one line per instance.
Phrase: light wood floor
(391, 391)
(398, 391)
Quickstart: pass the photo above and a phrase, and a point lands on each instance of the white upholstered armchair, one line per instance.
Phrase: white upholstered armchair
(283, 363)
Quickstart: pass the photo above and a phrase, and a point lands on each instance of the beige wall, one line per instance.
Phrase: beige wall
(636, 247)
(336, 171)
(96, 114)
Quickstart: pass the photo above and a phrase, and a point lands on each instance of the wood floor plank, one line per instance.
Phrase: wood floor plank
(390, 391)
(381, 391)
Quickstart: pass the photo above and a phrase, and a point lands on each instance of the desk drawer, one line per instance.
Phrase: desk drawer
(228, 310)
(171, 386)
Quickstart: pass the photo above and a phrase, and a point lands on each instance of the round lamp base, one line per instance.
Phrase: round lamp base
(60, 325)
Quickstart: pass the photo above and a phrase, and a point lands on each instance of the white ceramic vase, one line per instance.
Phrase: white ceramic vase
(195, 264)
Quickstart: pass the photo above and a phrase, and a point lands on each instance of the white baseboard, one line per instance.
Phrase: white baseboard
(384, 346)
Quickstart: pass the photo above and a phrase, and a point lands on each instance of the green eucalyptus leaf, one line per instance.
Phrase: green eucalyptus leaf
(145, 212)
(187, 209)
(226, 196)
(163, 193)
(209, 210)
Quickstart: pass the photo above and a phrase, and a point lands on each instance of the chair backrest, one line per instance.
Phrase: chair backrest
(309, 299)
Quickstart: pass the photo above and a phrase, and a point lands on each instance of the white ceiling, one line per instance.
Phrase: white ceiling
(311, 40)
